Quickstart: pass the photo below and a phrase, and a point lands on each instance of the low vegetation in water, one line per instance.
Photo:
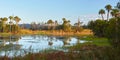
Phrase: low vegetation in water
(85, 52)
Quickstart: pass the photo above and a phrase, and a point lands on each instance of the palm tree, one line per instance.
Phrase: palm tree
(101, 12)
(17, 19)
(4, 20)
(114, 12)
(108, 8)
(3, 23)
(66, 24)
(56, 23)
(64, 21)
(118, 5)
(11, 18)
(49, 22)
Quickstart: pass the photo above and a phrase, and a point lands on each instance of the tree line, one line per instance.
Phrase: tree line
(9, 24)
(110, 27)
(54, 25)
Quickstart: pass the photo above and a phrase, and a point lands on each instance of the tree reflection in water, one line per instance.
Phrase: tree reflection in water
(66, 40)
(50, 39)
(10, 44)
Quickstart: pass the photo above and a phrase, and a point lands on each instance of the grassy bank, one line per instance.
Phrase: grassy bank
(55, 32)
(90, 40)
(100, 41)
(4, 34)
(50, 32)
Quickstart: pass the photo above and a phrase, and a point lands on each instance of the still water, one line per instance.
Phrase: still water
(35, 43)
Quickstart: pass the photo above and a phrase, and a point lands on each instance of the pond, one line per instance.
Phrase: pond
(35, 43)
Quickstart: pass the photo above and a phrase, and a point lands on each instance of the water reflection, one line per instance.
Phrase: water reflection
(36, 42)
(9, 44)
(66, 41)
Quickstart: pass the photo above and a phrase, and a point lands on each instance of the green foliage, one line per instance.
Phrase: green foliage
(114, 12)
(108, 7)
(99, 41)
(98, 27)
(109, 28)
(113, 31)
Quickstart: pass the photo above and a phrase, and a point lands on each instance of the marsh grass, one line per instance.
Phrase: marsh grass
(100, 41)
(85, 52)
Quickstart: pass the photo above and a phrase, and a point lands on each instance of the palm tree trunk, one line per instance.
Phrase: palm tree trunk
(108, 15)
(16, 23)
(102, 16)
(116, 34)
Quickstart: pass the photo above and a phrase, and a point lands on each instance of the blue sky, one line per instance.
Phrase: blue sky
(43, 10)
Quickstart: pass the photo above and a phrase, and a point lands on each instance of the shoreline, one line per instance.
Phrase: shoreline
(56, 32)
(85, 32)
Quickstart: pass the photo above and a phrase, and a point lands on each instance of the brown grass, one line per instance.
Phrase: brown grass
(60, 32)
(50, 32)
(56, 32)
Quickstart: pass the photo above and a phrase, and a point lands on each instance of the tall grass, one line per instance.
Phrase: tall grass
(85, 52)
